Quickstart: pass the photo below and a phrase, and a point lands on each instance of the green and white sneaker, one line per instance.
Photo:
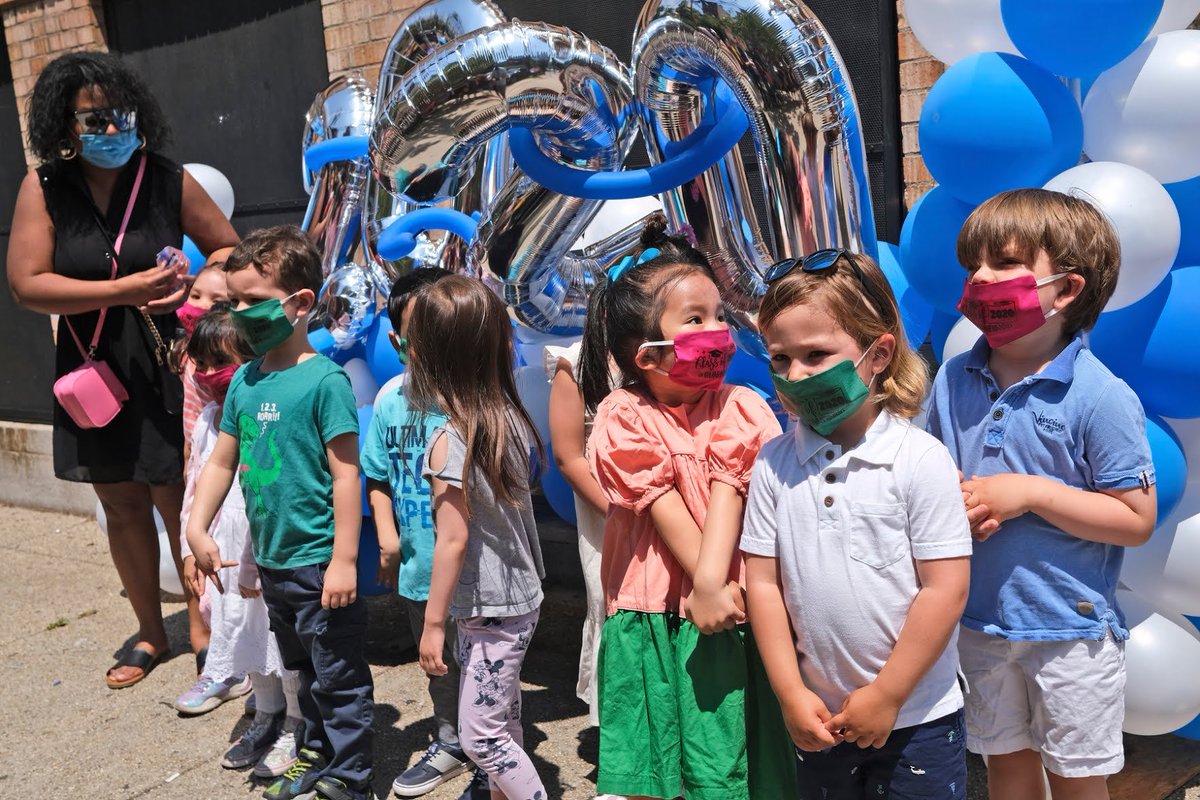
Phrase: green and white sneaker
(300, 779)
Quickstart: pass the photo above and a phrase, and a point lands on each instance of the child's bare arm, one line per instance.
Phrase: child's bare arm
(566, 437)
(379, 496)
(713, 603)
(211, 489)
(341, 577)
(449, 551)
(678, 529)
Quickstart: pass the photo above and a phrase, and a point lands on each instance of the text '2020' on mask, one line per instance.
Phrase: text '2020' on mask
(1007, 310)
(701, 358)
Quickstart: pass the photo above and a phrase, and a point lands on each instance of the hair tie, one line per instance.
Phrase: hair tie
(627, 263)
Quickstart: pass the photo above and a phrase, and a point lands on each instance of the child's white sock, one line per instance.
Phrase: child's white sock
(268, 693)
(291, 693)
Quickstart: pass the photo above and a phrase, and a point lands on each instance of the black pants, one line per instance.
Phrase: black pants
(327, 649)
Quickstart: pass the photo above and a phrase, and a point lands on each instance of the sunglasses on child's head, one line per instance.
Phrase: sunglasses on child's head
(97, 120)
(825, 262)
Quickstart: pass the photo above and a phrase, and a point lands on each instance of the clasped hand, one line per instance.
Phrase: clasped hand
(716, 610)
(993, 500)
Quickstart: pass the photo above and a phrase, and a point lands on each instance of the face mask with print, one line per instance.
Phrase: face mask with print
(264, 325)
(214, 385)
(1007, 310)
(825, 400)
(189, 315)
(108, 151)
(701, 358)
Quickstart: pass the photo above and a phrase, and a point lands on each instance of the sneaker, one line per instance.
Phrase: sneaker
(206, 694)
(298, 781)
(440, 763)
(282, 754)
(479, 788)
(251, 706)
(333, 789)
(254, 743)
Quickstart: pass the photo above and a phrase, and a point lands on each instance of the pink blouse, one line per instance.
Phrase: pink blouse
(641, 449)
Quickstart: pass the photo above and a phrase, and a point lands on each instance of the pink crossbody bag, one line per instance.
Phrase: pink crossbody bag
(91, 394)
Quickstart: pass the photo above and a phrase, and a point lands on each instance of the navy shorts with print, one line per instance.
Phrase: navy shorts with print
(923, 762)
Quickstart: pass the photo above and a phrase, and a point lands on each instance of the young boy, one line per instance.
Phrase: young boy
(290, 430)
(1058, 481)
(392, 458)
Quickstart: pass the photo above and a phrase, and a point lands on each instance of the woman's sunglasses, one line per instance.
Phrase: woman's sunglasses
(824, 262)
(97, 120)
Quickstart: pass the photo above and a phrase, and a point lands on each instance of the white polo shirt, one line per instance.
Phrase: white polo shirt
(847, 529)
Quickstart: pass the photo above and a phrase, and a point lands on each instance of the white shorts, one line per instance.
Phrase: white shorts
(1064, 699)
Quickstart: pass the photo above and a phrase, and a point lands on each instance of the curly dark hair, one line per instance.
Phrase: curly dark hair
(49, 108)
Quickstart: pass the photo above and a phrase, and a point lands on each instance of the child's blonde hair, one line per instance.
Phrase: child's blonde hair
(902, 384)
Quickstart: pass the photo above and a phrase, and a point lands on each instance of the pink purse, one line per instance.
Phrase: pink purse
(91, 394)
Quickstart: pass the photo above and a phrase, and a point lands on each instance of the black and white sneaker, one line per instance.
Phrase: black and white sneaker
(440, 763)
(255, 742)
(479, 788)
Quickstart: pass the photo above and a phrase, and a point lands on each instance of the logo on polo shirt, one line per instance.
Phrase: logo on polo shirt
(1048, 424)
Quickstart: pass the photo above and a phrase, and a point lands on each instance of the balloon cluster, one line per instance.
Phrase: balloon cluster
(1031, 89)
(220, 190)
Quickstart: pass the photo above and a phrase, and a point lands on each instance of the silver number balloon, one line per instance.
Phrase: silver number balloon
(424, 30)
(335, 203)
(347, 305)
(789, 77)
(572, 92)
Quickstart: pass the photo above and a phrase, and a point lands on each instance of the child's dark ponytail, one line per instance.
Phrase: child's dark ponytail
(594, 380)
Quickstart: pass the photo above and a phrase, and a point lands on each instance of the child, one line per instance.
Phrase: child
(1060, 482)
(392, 460)
(290, 430)
(206, 694)
(672, 451)
(856, 543)
(487, 563)
(570, 427)
(242, 643)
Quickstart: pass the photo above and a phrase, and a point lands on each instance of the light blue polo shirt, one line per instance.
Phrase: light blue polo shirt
(1074, 422)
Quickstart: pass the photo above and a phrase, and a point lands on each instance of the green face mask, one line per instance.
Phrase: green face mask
(402, 350)
(264, 325)
(823, 401)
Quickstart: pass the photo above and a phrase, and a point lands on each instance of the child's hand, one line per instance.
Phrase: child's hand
(189, 576)
(209, 564)
(249, 593)
(719, 610)
(805, 718)
(388, 573)
(341, 585)
(433, 641)
(978, 516)
(867, 717)
(994, 500)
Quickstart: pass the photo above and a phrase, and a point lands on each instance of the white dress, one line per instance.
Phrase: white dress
(242, 642)
(590, 524)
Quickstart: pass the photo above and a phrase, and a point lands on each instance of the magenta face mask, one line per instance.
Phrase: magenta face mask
(701, 358)
(214, 385)
(189, 315)
(1007, 310)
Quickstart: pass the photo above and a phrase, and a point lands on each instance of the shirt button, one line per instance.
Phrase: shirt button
(994, 396)
(828, 502)
(830, 477)
(829, 455)
(997, 414)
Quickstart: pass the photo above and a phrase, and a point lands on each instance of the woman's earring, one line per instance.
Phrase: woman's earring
(67, 151)
(142, 146)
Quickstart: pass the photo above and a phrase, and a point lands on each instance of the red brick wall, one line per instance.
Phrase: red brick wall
(918, 71)
(358, 31)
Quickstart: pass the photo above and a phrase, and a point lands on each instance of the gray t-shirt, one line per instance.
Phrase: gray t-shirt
(502, 572)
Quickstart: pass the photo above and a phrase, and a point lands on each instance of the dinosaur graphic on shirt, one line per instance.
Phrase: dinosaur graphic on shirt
(257, 472)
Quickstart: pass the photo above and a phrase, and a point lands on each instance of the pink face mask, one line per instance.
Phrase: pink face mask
(701, 358)
(189, 315)
(215, 384)
(1007, 310)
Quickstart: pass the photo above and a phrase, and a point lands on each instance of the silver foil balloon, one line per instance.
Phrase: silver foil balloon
(346, 306)
(424, 30)
(785, 70)
(573, 93)
(333, 217)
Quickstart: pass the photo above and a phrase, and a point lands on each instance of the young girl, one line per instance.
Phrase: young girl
(241, 643)
(672, 451)
(487, 563)
(856, 544)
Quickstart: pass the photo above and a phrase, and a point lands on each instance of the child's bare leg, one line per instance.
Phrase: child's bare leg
(1091, 788)
(1016, 776)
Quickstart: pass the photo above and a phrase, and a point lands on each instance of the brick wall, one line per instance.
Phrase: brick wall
(358, 31)
(918, 71)
(37, 32)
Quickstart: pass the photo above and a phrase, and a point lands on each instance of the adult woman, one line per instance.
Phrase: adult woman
(95, 127)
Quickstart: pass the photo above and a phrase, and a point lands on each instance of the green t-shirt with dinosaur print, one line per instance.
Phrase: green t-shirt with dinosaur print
(282, 421)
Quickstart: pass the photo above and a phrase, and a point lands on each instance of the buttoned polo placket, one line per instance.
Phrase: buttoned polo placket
(830, 461)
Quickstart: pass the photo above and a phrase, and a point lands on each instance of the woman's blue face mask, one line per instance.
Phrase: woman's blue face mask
(109, 151)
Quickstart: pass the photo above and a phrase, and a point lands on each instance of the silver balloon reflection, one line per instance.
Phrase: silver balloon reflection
(343, 108)
(346, 306)
(430, 26)
(788, 75)
(572, 92)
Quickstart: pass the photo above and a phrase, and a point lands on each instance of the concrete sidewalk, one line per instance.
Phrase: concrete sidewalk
(63, 733)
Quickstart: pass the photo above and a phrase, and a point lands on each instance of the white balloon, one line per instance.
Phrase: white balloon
(1175, 16)
(534, 391)
(1162, 670)
(1145, 111)
(216, 184)
(1143, 214)
(168, 576)
(954, 29)
(361, 381)
(962, 338)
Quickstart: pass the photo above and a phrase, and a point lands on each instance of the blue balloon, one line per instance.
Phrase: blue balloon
(1170, 465)
(399, 237)
(368, 561)
(343, 148)
(381, 355)
(194, 255)
(939, 330)
(915, 313)
(1186, 195)
(1192, 729)
(927, 249)
(1078, 37)
(365, 414)
(995, 121)
(322, 341)
(557, 491)
(1148, 344)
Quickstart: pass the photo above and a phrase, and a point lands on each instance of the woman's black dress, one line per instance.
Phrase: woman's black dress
(144, 442)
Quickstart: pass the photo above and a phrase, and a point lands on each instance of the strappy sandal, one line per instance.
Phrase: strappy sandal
(137, 658)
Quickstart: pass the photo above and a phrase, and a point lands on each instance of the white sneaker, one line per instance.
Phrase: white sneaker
(282, 754)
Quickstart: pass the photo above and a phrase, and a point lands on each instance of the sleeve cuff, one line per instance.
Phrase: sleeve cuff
(646, 500)
(739, 485)
(759, 547)
(333, 433)
(933, 551)
(1130, 479)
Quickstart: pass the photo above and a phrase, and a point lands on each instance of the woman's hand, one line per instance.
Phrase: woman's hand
(155, 284)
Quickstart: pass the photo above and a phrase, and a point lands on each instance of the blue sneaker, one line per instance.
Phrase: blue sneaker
(299, 782)
(206, 694)
(440, 763)
(479, 788)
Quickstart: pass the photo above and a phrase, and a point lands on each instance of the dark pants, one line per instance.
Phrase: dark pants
(924, 762)
(327, 649)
